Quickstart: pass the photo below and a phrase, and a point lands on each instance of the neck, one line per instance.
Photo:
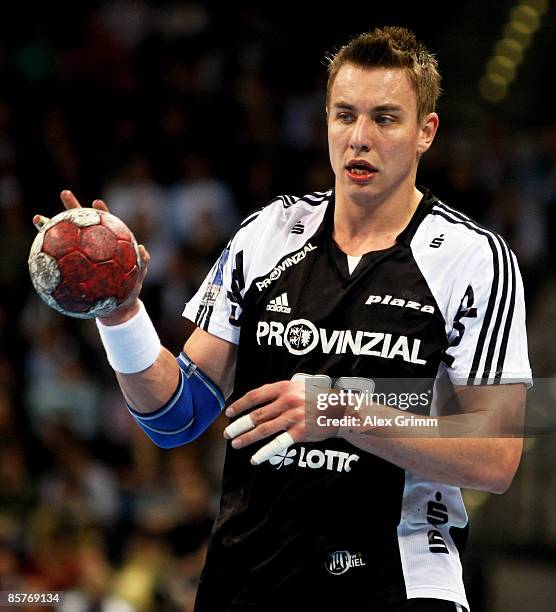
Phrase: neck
(367, 225)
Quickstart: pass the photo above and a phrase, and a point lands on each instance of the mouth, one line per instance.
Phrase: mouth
(360, 170)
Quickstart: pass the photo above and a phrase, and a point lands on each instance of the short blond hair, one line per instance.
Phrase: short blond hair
(392, 47)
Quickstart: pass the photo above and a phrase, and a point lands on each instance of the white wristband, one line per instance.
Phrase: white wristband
(131, 346)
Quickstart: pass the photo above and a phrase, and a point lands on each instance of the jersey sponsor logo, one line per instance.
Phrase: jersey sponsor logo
(292, 260)
(341, 561)
(315, 459)
(392, 301)
(298, 228)
(279, 304)
(301, 336)
(436, 242)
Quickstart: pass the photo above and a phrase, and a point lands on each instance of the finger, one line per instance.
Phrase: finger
(100, 205)
(69, 200)
(39, 221)
(239, 426)
(144, 259)
(144, 254)
(260, 432)
(261, 395)
(258, 416)
(276, 446)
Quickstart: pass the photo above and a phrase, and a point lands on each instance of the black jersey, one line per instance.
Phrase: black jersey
(324, 523)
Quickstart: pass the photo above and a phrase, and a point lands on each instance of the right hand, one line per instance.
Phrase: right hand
(131, 306)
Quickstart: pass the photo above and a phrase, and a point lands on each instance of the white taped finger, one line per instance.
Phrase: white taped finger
(41, 222)
(243, 424)
(278, 445)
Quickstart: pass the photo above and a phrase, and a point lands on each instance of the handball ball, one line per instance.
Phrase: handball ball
(84, 262)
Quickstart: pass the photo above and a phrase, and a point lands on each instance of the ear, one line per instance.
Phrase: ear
(427, 132)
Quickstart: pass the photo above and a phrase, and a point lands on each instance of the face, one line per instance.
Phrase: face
(374, 137)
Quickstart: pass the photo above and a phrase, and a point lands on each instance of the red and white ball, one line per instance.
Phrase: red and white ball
(84, 262)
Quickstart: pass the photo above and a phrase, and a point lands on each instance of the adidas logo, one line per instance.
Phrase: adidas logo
(298, 228)
(279, 304)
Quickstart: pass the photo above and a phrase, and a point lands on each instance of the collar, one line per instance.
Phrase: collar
(406, 235)
(423, 209)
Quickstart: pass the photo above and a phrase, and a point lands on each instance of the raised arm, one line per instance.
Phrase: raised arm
(173, 400)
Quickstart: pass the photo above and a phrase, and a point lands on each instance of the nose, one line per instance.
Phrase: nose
(361, 136)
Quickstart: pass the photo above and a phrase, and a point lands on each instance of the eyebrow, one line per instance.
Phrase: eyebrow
(379, 109)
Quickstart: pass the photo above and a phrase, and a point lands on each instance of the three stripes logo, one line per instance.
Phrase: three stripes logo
(279, 304)
(489, 358)
(298, 228)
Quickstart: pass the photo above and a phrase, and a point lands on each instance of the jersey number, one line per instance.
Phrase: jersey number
(355, 383)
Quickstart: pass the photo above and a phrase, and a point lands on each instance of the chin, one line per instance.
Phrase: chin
(360, 195)
(361, 191)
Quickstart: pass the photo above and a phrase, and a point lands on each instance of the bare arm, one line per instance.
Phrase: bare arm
(455, 456)
(477, 449)
(149, 390)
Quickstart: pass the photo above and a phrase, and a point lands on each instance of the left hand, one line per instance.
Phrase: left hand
(286, 406)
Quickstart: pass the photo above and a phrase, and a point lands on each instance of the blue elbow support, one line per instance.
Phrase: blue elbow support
(188, 413)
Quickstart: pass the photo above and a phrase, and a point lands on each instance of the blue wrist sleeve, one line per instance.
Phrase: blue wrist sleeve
(194, 406)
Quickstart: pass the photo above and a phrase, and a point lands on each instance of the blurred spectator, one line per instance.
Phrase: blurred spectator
(143, 568)
(62, 155)
(187, 118)
(305, 119)
(11, 578)
(93, 589)
(126, 20)
(8, 425)
(183, 276)
(139, 201)
(60, 388)
(78, 485)
(203, 205)
(17, 497)
(50, 560)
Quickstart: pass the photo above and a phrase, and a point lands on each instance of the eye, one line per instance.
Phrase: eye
(345, 117)
(385, 119)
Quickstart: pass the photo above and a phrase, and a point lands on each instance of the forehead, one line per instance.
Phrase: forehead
(372, 87)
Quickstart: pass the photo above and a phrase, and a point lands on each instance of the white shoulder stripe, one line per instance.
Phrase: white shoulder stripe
(288, 200)
(315, 198)
(493, 338)
(250, 218)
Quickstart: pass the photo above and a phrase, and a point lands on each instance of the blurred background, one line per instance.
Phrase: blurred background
(185, 116)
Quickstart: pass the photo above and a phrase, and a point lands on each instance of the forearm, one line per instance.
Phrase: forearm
(148, 373)
(150, 389)
(482, 462)
(172, 400)
(472, 463)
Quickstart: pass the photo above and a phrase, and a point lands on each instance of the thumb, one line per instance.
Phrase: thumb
(39, 221)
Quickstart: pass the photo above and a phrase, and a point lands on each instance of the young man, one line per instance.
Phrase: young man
(368, 283)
